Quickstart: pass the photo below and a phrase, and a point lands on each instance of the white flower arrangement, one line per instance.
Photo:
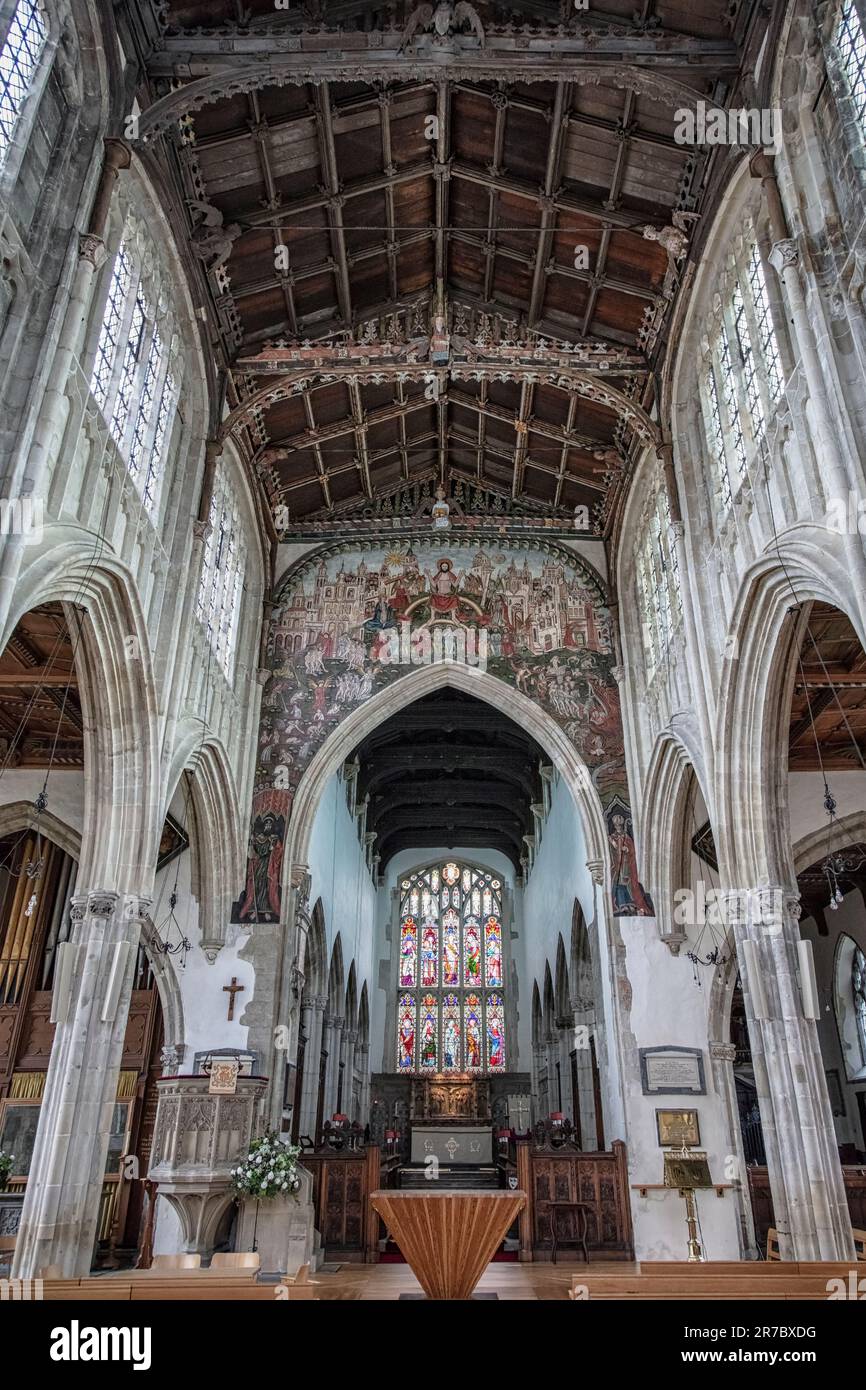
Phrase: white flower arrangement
(269, 1170)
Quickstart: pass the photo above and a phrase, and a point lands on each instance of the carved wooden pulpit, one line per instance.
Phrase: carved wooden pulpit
(448, 1238)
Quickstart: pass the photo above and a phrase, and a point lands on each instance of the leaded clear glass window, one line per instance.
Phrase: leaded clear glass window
(717, 436)
(767, 341)
(732, 406)
(850, 42)
(218, 603)
(658, 580)
(132, 381)
(748, 363)
(450, 976)
(19, 60)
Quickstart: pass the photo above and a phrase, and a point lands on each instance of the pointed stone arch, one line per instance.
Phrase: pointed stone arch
(756, 864)
(561, 990)
(670, 793)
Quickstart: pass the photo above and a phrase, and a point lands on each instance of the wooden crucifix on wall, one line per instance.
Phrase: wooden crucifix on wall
(233, 989)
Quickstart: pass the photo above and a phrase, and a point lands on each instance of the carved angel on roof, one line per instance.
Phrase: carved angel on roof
(444, 19)
(675, 239)
(212, 240)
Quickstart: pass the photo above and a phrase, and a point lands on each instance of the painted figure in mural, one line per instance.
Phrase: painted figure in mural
(407, 1041)
(629, 898)
(383, 617)
(497, 1042)
(473, 955)
(261, 899)
(451, 1044)
(473, 1042)
(444, 585)
(428, 954)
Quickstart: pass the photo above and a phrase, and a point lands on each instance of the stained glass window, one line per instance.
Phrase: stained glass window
(472, 1013)
(495, 1033)
(451, 951)
(406, 1033)
(429, 1033)
(19, 59)
(451, 1051)
(493, 952)
(408, 953)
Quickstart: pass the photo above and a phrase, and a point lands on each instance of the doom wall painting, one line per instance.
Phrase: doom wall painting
(352, 619)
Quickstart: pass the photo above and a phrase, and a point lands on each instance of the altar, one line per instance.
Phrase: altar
(460, 1144)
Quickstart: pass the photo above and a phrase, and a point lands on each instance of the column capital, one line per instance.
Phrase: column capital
(118, 154)
(762, 165)
(723, 1052)
(784, 253)
(104, 903)
(91, 249)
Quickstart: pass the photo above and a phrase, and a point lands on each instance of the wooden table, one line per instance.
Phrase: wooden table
(578, 1209)
(448, 1238)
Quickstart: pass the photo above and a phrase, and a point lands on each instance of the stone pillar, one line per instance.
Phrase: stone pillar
(350, 1038)
(364, 1069)
(811, 1212)
(722, 1058)
(334, 1048)
(539, 1097)
(565, 1025)
(61, 1208)
(552, 1048)
(314, 1011)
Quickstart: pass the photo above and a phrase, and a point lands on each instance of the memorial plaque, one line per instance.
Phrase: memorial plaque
(672, 1071)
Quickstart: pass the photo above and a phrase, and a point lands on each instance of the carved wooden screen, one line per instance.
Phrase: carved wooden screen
(600, 1180)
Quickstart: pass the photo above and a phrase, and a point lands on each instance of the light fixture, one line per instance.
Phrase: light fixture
(163, 943)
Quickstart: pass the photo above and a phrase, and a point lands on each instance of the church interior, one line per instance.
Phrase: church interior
(432, 649)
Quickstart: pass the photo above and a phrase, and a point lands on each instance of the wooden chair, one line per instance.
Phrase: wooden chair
(165, 1262)
(773, 1252)
(237, 1259)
